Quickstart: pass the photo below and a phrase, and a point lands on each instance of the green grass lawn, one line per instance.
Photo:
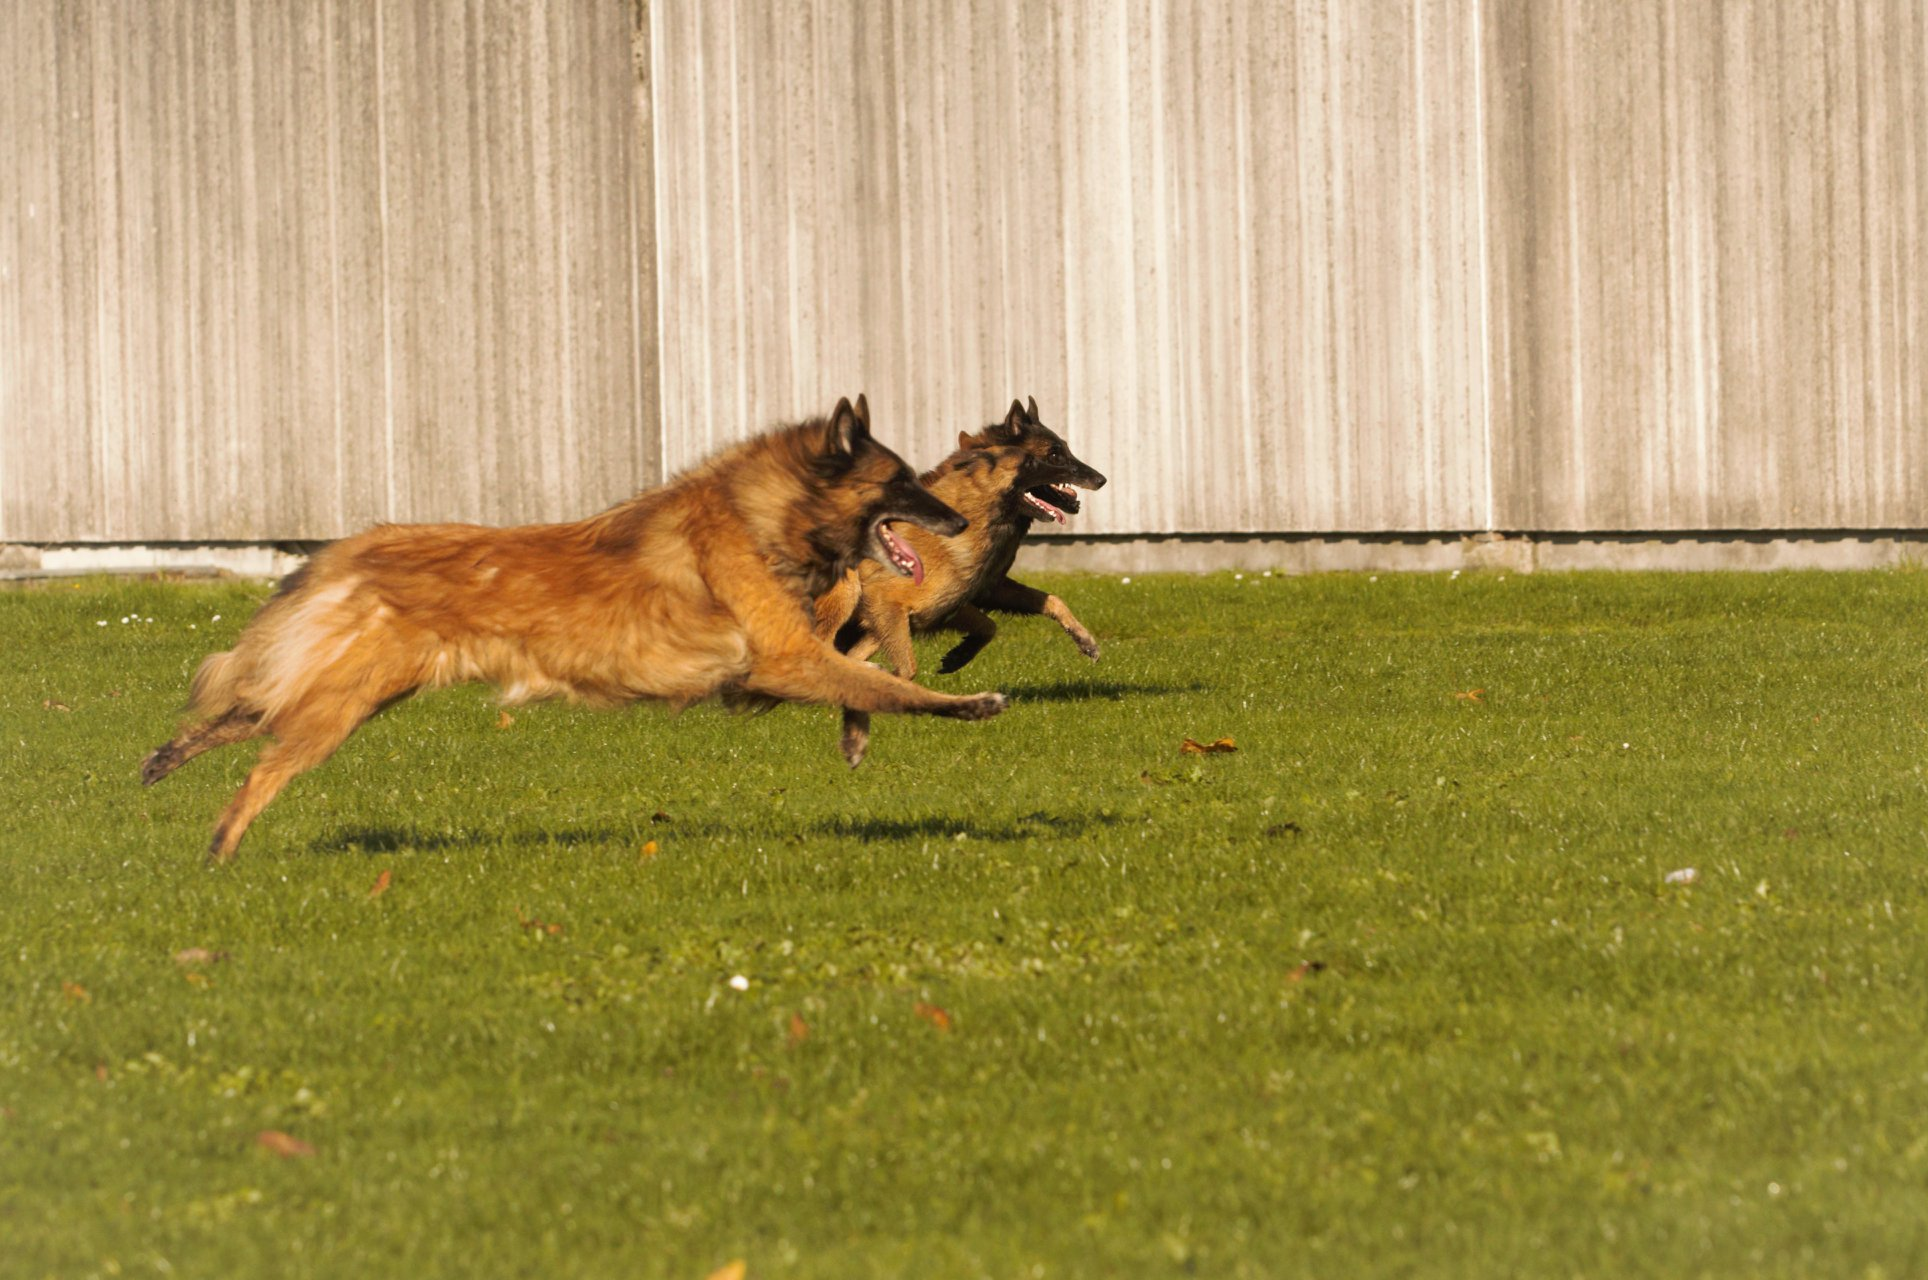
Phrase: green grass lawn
(1398, 988)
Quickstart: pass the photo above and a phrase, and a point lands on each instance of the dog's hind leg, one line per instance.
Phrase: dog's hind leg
(978, 631)
(235, 725)
(1009, 596)
(304, 737)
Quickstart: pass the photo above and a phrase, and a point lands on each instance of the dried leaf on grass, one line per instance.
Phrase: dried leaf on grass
(936, 1015)
(735, 1269)
(1304, 969)
(76, 993)
(54, 704)
(1193, 747)
(198, 955)
(381, 884)
(651, 848)
(799, 1030)
(1471, 695)
(282, 1144)
(540, 926)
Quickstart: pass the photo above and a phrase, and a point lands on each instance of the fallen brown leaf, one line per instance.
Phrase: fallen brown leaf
(282, 1144)
(1304, 969)
(799, 1030)
(540, 926)
(77, 993)
(659, 816)
(54, 704)
(100, 1071)
(933, 1014)
(381, 884)
(1471, 695)
(735, 1269)
(199, 955)
(196, 978)
(651, 848)
(1192, 747)
(504, 720)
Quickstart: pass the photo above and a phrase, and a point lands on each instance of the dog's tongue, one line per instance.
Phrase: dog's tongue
(1045, 507)
(901, 553)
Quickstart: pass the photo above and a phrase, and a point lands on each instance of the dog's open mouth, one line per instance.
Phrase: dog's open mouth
(1055, 501)
(899, 555)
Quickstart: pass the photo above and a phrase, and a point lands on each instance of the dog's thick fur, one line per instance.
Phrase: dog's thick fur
(1001, 479)
(698, 588)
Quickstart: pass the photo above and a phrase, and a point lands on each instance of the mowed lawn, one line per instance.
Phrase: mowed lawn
(1399, 987)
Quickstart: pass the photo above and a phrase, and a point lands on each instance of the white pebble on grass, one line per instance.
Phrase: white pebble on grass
(1686, 875)
(739, 983)
(101, 623)
(1124, 579)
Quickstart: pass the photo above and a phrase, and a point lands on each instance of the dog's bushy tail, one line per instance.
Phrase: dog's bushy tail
(215, 698)
(213, 691)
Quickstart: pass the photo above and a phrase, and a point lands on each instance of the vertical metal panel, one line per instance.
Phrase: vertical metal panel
(1726, 273)
(1235, 250)
(278, 271)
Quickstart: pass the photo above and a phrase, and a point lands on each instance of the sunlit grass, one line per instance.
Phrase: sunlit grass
(1396, 988)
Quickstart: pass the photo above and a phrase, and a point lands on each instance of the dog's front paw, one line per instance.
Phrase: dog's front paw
(981, 706)
(1087, 644)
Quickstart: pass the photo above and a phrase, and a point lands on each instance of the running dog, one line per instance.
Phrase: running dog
(1002, 480)
(699, 588)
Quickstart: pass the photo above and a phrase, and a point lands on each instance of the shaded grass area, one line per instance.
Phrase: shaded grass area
(1396, 989)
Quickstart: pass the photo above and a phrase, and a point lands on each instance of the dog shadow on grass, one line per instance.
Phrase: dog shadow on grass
(375, 840)
(364, 840)
(1030, 827)
(1095, 691)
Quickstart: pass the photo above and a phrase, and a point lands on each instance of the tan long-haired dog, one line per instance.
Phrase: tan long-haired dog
(698, 588)
(1002, 479)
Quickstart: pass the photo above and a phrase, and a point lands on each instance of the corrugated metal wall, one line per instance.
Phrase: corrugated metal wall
(1234, 250)
(1427, 265)
(1717, 275)
(280, 270)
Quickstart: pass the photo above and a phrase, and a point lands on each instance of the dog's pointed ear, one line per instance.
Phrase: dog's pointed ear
(965, 440)
(1031, 408)
(863, 410)
(1008, 431)
(846, 430)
